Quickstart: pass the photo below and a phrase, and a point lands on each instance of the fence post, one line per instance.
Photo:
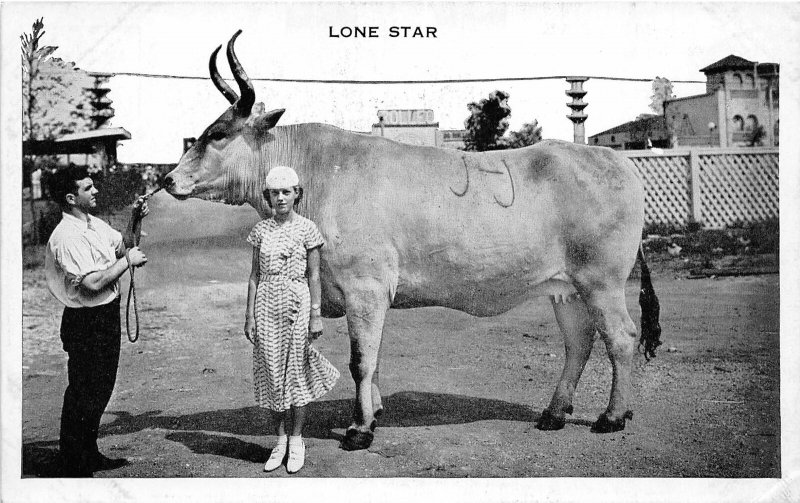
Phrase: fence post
(694, 186)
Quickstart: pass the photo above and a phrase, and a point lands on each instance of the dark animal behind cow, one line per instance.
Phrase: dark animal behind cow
(408, 226)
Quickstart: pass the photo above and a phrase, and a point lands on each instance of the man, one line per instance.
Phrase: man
(84, 260)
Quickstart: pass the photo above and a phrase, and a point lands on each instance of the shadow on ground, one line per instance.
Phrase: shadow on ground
(402, 409)
(40, 459)
(196, 431)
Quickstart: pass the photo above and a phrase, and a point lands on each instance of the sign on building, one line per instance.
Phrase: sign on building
(406, 117)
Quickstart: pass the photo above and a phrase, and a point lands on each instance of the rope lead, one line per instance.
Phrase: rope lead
(131, 293)
(132, 288)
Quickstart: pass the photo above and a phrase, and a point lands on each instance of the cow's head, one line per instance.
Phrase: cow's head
(215, 167)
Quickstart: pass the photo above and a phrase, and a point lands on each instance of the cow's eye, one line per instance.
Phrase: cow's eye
(216, 135)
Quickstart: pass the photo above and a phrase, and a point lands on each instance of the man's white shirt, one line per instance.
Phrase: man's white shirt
(75, 249)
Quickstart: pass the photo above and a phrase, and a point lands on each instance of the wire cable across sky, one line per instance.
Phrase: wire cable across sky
(426, 81)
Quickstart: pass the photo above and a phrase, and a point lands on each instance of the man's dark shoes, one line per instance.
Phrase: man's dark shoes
(101, 462)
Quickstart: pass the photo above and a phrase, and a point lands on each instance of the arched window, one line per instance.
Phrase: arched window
(749, 81)
(752, 122)
(738, 123)
(737, 80)
(613, 139)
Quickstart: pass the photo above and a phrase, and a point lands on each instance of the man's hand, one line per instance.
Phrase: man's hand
(136, 257)
(140, 209)
(314, 327)
(249, 327)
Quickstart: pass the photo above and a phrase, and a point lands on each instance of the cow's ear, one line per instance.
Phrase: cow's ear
(268, 120)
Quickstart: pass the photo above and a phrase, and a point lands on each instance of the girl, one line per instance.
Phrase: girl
(283, 316)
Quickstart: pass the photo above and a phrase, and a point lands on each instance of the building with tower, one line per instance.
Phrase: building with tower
(740, 108)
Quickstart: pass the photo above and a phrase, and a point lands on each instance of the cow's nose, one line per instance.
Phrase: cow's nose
(168, 182)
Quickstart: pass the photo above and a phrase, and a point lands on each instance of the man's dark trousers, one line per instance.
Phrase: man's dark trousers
(91, 338)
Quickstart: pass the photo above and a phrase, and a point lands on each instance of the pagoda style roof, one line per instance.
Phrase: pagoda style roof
(731, 62)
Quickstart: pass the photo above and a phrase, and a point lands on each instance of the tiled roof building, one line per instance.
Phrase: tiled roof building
(740, 108)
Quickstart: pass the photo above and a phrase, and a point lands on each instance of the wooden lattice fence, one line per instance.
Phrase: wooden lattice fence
(712, 186)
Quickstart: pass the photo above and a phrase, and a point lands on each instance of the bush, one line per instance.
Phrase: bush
(660, 229)
(118, 189)
(740, 238)
(663, 229)
(708, 242)
(46, 221)
(764, 236)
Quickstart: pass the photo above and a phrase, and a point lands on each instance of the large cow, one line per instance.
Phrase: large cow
(409, 226)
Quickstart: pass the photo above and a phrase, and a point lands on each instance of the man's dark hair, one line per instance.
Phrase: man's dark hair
(65, 181)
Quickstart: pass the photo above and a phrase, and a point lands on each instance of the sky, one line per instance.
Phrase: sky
(473, 41)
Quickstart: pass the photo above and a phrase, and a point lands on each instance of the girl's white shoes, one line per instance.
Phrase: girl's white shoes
(297, 454)
(276, 457)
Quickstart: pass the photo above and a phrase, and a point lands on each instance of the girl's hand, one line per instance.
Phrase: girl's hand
(314, 327)
(249, 328)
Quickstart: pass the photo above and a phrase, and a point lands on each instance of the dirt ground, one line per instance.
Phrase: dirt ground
(461, 394)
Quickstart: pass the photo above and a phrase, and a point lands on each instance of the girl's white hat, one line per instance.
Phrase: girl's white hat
(282, 177)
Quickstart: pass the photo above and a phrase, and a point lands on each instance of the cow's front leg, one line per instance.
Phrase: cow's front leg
(366, 312)
(578, 330)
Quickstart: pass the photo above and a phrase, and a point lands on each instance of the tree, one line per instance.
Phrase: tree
(32, 56)
(662, 91)
(530, 133)
(55, 101)
(756, 136)
(644, 127)
(487, 123)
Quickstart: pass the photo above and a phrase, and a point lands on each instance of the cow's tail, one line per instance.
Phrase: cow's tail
(650, 338)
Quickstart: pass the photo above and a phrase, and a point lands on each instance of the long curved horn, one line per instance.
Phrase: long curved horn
(216, 78)
(248, 94)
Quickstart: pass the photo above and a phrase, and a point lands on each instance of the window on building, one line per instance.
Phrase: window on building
(749, 81)
(752, 123)
(738, 123)
(737, 80)
(613, 139)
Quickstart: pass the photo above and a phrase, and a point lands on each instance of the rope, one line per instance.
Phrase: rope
(131, 293)
(132, 288)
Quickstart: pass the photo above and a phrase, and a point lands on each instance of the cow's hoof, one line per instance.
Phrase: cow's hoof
(549, 422)
(605, 425)
(355, 440)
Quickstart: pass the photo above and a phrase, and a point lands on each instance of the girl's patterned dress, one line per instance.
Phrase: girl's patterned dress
(287, 369)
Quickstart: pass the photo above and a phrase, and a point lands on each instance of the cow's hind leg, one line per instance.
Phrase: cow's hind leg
(366, 312)
(619, 334)
(578, 329)
(377, 403)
